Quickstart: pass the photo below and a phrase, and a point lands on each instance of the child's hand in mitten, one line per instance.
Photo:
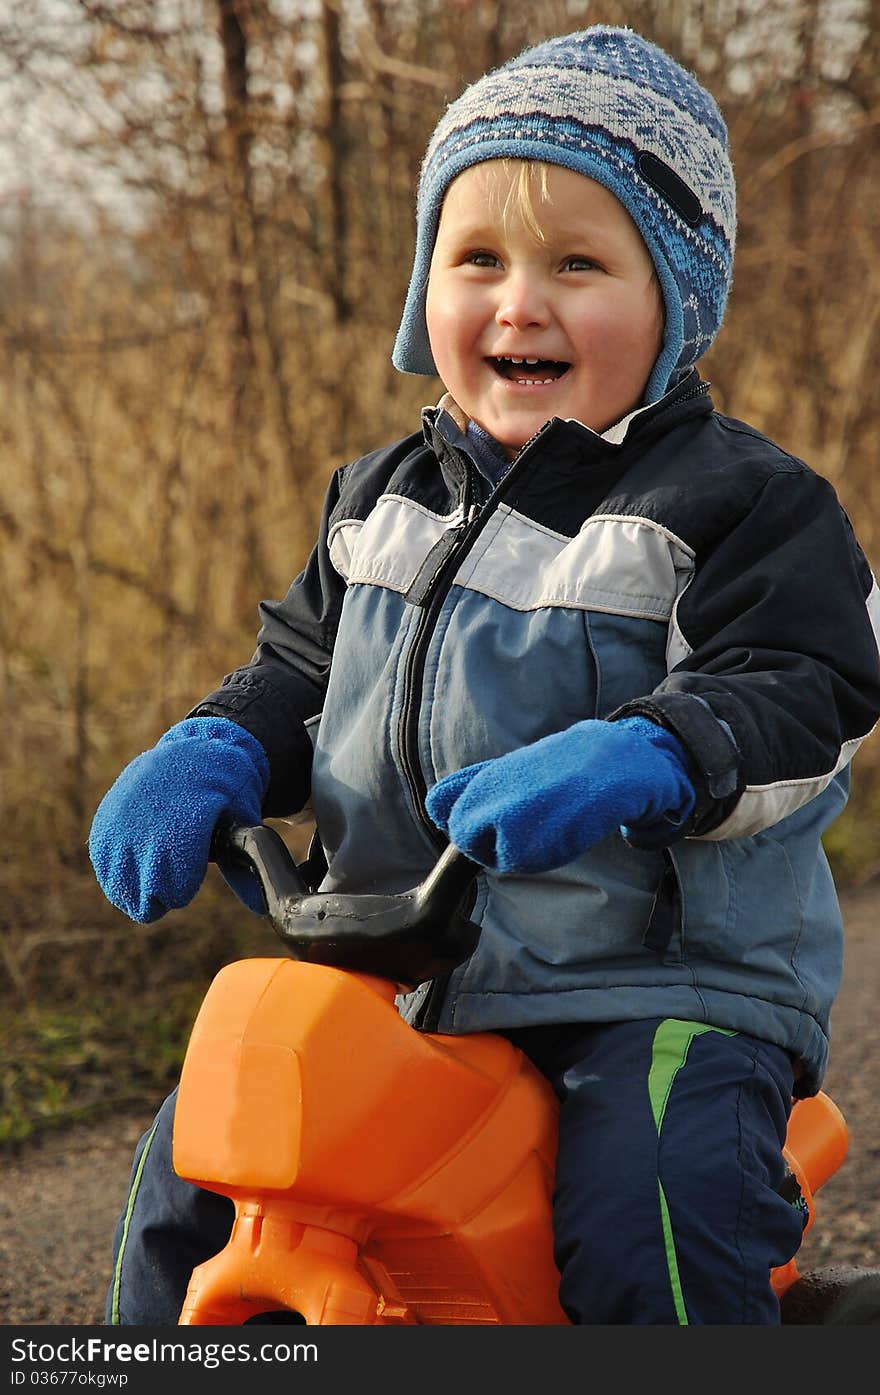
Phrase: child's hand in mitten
(151, 836)
(543, 805)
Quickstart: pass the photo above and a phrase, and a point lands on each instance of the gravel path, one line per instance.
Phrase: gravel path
(60, 1198)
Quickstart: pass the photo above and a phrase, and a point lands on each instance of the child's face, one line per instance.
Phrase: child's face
(584, 302)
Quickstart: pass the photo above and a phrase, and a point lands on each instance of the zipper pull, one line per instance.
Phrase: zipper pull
(429, 572)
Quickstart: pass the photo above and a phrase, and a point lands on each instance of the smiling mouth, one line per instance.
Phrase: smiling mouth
(532, 372)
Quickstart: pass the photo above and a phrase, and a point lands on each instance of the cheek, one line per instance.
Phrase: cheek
(640, 340)
(628, 338)
(653, 322)
(450, 327)
(439, 321)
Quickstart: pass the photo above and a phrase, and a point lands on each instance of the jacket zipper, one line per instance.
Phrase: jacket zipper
(431, 602)
(427, 1015)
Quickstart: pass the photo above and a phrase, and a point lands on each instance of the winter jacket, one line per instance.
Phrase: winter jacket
(692, 572)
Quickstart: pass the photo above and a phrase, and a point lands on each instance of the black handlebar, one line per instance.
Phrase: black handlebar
(408, 937)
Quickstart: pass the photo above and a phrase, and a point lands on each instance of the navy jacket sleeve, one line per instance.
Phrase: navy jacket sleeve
(284, 684)
(777, 679)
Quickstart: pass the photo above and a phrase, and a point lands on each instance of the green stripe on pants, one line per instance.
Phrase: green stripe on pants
(672, 1042)
(132, 1198)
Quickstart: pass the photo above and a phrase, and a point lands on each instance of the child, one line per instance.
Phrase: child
(615, 646)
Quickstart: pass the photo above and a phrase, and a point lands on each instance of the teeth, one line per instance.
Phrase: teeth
(516, 360)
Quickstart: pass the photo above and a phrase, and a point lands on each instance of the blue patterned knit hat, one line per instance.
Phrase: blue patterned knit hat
(612, 106)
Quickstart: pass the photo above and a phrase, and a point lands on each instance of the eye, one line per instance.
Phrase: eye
(480, 257)
(579, 263)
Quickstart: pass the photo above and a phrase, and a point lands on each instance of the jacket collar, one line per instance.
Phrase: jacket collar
(444, 426)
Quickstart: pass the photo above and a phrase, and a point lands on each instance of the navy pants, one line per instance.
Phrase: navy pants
(667, 1204)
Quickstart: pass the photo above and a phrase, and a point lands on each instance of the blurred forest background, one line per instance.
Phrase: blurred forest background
(206, 228)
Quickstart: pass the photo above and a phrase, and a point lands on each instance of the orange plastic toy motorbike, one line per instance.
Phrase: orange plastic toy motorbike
(380, 1175)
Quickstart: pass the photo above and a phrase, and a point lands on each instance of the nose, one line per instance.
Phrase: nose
(523, 303)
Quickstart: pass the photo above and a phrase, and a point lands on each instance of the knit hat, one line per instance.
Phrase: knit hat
(610, 105)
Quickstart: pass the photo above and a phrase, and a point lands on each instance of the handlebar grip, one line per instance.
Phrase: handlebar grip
(262, 851)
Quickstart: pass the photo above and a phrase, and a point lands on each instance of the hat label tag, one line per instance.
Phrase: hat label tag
(670, 186)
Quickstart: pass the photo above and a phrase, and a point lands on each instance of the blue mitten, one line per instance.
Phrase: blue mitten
(151, 835)
(543, 805)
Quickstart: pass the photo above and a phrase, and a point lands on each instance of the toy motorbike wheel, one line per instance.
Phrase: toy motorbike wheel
(839, 1295)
